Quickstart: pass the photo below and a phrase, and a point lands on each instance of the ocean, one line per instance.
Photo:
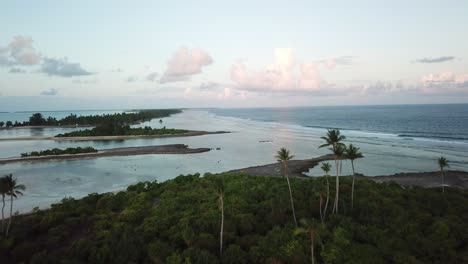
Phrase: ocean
(392, 138)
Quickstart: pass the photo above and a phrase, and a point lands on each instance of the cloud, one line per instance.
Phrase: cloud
(152, 76)
(84, 81)
(331, 63)
(16, 70)
(116, 70)
(19, 51)
(208, 86)
(444, 81)
(378, 88)
(62, 68)
(284, 75)
(131, 79)
(185, 63)
(435, 60)
(51, 91)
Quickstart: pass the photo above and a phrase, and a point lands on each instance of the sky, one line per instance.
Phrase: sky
(148, 54)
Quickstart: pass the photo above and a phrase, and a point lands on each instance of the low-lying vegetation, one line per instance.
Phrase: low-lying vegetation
(112, 130)
(120, 119)
(179, 221)
(56, 151)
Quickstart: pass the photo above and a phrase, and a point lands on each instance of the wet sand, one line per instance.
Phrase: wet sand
(106, 138)
(130, 151)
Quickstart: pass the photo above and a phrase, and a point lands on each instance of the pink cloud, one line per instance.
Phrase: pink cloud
(444, 82)
(22, 52)
(185, 63)
(284, 75)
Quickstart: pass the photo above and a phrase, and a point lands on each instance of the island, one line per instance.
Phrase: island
(128, 151)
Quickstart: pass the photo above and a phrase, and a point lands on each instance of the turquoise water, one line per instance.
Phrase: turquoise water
(48, 182)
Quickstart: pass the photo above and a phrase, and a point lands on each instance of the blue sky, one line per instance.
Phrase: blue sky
(231, 53)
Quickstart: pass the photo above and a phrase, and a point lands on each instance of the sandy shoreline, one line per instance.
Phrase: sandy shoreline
(456, 179)
(129, 151)
(105, 138)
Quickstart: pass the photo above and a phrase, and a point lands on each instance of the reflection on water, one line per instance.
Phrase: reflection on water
(251, 143)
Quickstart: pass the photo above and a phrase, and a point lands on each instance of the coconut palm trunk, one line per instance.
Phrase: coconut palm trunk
(312, 246)
(328, 197)
(326, 169)
(352, 186)
(3, 212)
(285, 165)
(11, 216)
(443, 181)
(337, 188)
(221, 200)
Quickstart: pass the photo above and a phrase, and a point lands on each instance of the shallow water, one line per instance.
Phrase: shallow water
(49, 182)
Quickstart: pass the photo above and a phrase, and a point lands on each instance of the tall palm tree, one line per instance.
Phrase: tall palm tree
(14, 189)
(326, 167)
(352, 153)
(219, 183)
(334, 141)
(3, 192)
(443, 162)
(283, 156)
(339, 156)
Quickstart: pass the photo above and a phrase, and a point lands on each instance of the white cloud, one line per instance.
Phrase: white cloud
(185, 63)
(284, 75)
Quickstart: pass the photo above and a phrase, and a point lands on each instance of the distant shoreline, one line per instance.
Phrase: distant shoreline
(39, 127)
(128, 151)
(123, 137)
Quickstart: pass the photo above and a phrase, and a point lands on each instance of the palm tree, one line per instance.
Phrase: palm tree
(326, 167)
(14, 189)
(334, 141)
(3, 192)
(219, 183)
(283, 157)
(308, 228)
(339, 156)
(443, 162)
(352, 153)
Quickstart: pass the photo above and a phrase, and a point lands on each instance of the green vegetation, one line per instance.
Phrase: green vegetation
(181, 221)
(178, 221)
(119, 119)
(113, 130)
(56, 151)
(9, 187)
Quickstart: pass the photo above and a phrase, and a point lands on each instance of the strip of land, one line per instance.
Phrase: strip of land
(123, 137)
(296, 167)
(457, 179)
(130, 151)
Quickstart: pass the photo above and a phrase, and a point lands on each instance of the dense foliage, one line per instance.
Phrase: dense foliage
(113, 130)
(178, 221)
(56, 151)
(121, 119)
